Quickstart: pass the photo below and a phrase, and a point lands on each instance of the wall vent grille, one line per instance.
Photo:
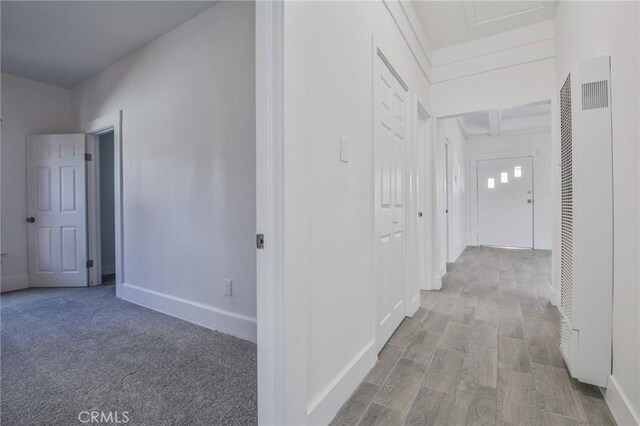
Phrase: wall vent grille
(566, 344)
(566, 242)
(595, 95)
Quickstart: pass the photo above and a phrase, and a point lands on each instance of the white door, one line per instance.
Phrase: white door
(389, 174)
(56, 210)
(505, 202)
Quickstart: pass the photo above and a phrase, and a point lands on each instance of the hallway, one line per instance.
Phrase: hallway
(483, 350)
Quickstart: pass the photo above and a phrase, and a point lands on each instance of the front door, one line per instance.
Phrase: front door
(56, 210)
(389, 174)
(505, 202)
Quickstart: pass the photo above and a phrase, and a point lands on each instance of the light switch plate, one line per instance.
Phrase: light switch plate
(344, 150)
(227, 287)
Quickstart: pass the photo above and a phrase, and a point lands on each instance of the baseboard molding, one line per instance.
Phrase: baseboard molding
(207, 316)
(324, 407)
(554, 296)
(437, 282)
(619, 404)
(106, 270)
(16, 282)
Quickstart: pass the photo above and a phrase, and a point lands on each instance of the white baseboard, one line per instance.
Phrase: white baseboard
(554, 296)
(227, 322)
(16, 282)
(106, 270)
(619, 404)
(324, 407)
(437, 281)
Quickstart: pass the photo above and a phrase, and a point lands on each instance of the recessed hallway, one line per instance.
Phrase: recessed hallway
(483, 350)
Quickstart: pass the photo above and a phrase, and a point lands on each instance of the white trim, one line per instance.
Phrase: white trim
(412, 272)
(211, 317)
(269, 29)
(619, 404)
(554, 296)
(449, 257)
(325, 406)
(425, 136)
(15, 282)
(415, 39)
(101, 125)
(437, 281)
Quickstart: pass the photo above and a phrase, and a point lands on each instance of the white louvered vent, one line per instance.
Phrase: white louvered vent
(595, 95)
(566, 242)
(586, 221)
(566, 344)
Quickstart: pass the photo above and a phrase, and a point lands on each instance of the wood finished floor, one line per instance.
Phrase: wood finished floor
(481, 351)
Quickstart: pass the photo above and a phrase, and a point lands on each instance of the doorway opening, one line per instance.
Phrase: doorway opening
(104, 201)
(105, 257)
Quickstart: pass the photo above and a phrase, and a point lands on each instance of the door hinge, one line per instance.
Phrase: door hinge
(87, 157)
(260, 241)
(89, 263)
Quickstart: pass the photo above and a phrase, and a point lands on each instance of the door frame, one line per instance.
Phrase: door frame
(424, 135)
(473, 192)
(93, 129)
(269, 51)
(447, 197)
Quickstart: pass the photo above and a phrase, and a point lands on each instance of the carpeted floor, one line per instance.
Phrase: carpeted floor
(65, 351)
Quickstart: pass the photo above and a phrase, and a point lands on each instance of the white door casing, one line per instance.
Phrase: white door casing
(425, 204)
(505, 202)
(56, 202)
(389, 147)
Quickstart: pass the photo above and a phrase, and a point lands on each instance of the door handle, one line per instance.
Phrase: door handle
(395, 222)
(529, 201)
(419, 214)
(31, 219)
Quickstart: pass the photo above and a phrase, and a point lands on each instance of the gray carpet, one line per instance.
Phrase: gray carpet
(70, 350)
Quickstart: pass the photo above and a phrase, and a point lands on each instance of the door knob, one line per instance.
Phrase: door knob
(31, 219)
(529, 201)
(419, 214)
(395, 222)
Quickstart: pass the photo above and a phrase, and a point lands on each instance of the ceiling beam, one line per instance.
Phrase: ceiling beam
(494, 122)
(463, 126)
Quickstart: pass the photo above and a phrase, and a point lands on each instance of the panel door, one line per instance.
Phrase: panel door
(56, 210)
(505, 202)
(389, 187)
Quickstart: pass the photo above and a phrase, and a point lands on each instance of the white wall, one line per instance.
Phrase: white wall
(328, 265)
(188, 102)
(539, 146)
(503, 70)
(450, 130)
(107, 213)
(28, 107)
(589, 29)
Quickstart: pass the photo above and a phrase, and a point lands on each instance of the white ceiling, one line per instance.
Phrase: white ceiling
(64, 42)
(529, 118)
(451, 22)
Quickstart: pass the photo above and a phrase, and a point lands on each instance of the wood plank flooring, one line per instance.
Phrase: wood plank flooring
(483, 350)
